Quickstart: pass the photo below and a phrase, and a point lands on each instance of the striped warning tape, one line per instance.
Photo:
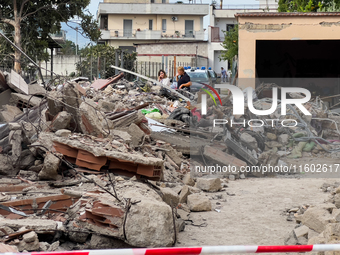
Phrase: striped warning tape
(197, 250)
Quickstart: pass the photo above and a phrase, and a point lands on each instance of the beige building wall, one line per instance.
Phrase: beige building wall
(174, 48)
(254, 28)
(115, 22)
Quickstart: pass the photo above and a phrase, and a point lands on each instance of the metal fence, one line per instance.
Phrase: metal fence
(151, 69)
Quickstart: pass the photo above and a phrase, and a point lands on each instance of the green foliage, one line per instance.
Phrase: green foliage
(34, 20)
(68, 48)
(230, 45)
(102, 56)
(308, 5)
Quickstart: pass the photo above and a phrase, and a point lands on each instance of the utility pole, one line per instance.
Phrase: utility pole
(77, 41)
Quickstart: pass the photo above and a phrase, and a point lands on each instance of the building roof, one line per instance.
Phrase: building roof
(284, 14)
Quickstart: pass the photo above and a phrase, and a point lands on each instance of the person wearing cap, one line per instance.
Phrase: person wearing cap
(183, 79)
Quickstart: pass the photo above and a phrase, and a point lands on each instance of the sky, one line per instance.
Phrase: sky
(93, 7)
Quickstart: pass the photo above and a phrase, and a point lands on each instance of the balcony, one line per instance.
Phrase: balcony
(163, 9)
(135, 34)
(229, 11)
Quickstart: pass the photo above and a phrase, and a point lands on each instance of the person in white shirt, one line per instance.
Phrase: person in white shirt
(162, 78)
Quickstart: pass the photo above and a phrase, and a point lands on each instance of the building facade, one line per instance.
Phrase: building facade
(124, 23)
(222, 18)
(296, 49)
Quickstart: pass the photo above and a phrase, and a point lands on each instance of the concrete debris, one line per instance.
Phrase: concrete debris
(211, 184)
(199, 203)
(125, 163)
(50, 168)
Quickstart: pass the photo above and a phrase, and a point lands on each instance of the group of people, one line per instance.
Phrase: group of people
(183, 79)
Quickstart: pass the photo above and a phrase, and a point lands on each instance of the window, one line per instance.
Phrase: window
(163, 1)
(152, 1)
(150, 24)
(103, 22)
(164, 25)
(230, 27)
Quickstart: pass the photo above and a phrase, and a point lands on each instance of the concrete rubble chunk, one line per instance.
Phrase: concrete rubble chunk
(155, 219)
(30, 237)
(199, 203)
(170, 197)
(184, 193)
(290, 238)
(50, 168)
(221, 158)
(91, 119)
(187, 180)
(20, 99)
(9, 113)
(283, 139)
(317, 218)
(136, 134)
(209, 184)
(7, 164)
(332, 232)
(249, 140)
(61, 121)
(183, 214)
(301, 231)
(78, 237)
(63, 133)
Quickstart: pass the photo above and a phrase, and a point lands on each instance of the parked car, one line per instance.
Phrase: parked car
(200, 77)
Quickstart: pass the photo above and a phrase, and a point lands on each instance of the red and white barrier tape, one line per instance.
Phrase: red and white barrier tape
(197, 250)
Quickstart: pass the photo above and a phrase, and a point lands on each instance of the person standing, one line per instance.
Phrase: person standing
(223, 74)
(183, 79)
(163, 78)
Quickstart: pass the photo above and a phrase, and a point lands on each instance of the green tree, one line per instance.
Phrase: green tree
(100, 57)
(308, 5)
(230, 45)
(68, 48)
(29, 22)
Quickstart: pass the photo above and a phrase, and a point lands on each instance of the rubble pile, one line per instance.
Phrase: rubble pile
(317, 224)
(115, 163)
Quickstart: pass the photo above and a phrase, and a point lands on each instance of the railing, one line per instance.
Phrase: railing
(247, 6)
(152, 34)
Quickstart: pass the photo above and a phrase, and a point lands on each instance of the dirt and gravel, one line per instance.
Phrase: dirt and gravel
(253, 211)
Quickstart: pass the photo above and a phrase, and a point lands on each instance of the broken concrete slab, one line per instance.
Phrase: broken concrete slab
(222, 158)
(199, 203)
(25, 101)
(209, 184)
(40, 226)
(17, 83)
